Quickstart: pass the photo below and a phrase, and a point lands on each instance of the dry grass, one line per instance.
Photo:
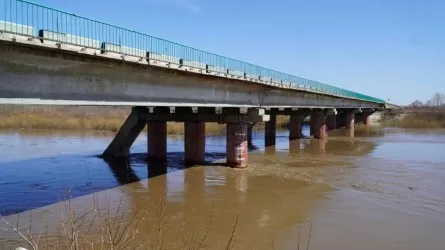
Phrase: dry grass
(60, 117)
(77, 118)
(418, 121)
(88, 118)
(282, 121)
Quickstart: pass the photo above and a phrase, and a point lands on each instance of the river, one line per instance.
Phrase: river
(382, 189)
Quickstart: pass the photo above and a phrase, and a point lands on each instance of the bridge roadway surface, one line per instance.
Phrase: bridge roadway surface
(49, 70)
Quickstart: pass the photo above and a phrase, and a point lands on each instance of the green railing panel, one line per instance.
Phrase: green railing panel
(50, 25)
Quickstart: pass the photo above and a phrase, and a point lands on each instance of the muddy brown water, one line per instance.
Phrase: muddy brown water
(383, 189)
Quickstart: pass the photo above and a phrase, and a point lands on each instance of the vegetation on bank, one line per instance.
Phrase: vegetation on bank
(416, 118)
(418, 114)
(87, 118)
(417, 121)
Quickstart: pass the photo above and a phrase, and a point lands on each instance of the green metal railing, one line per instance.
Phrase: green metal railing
(51, 25)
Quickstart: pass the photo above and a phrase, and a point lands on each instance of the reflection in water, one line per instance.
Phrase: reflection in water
(383, 185)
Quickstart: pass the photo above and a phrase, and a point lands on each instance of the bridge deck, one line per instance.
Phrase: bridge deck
(61, 30)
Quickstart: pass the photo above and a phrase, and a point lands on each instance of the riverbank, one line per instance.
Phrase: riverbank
(433, 118)
(87, 118)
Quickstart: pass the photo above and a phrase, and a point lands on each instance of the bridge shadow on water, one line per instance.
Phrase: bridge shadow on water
(30, 184)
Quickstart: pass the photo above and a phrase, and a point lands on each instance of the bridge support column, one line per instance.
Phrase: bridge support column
(341, 118)
(350, 119)
(194, 142)
(311, 125)
(366, 117)
(236, 148)
(270, 130)
(358, 118)
(249, 134)
(331, 122)
(157, 140)
(318, 121)
(296, 124)
(132, 127)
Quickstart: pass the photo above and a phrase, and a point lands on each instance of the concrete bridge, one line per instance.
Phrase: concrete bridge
(51, 57)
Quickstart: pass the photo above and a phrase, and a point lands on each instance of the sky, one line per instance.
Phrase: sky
(390, 49)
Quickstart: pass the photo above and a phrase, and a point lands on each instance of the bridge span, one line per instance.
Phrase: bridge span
(51, 57)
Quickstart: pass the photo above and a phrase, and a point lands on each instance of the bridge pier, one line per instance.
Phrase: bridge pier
(341, 120)
(350, 119)
(358, 118)
(249, 134)
(366, 117)
(318, 121)
(271, 129)
(312, 125)
(236, 147)
(194, 142)
(157, 140)
(194, 127)
(331, 121)
(296, 123)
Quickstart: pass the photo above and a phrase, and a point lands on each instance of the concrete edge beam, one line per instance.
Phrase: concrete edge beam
(31, 42)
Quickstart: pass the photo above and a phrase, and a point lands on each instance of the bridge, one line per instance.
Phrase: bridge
(51, 57)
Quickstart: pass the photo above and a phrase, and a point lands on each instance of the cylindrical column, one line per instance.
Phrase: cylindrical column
(236, 145)
(350, 119)
(331, 121)
(270, 131)
(157, 140)
(341, 118)
(249, 134)
(194, 142)
(311, 125)
(319, 124)
(366, 118)
(295, 126)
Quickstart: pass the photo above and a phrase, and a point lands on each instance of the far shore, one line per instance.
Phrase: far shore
(91, 118)
(110, 119)
(424, 118)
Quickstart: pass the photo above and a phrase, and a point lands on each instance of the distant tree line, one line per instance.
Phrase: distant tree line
(437, 100)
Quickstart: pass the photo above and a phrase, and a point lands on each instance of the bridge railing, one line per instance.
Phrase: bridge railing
(51, 25)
